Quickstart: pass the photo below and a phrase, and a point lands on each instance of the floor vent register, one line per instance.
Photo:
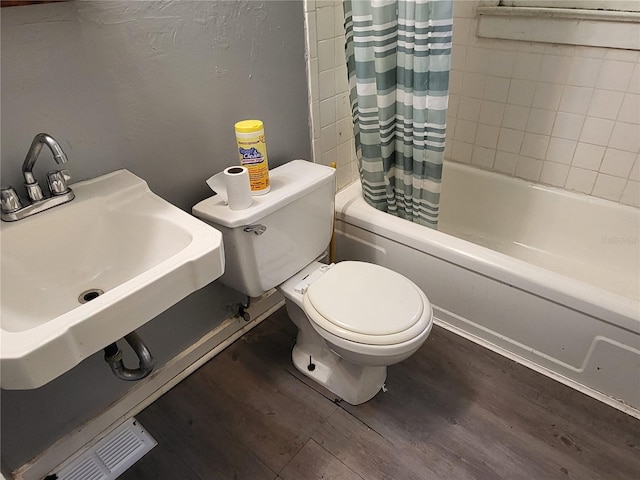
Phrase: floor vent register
(111, 456)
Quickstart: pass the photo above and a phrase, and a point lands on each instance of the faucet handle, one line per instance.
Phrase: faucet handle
(57, 180)
(9, 200)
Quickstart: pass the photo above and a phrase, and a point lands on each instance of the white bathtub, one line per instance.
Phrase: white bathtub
(546, 277)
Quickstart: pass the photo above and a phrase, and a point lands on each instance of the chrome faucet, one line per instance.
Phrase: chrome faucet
(12, 207)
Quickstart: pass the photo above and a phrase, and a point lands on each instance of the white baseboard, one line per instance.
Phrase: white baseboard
(147, 391)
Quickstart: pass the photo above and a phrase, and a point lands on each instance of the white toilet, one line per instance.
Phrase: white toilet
(353, 318)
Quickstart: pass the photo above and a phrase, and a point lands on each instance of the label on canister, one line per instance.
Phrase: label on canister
(252, 152)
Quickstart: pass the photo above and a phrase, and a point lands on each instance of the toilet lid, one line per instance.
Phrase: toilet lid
(367, 303)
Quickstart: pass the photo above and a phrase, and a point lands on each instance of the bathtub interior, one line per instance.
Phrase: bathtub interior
(586, 238)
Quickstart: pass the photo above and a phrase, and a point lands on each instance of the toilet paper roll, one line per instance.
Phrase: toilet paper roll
(232, 184)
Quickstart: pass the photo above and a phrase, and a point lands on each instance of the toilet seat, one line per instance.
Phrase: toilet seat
(366, 303)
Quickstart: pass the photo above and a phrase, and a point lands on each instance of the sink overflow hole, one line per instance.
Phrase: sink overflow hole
(89, 295)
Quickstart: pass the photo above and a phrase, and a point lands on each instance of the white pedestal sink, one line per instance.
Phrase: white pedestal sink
(115, 237)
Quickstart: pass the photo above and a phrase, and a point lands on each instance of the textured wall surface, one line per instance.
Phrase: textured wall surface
(154, 87)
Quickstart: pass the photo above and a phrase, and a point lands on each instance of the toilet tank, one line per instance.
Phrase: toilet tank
(297, 214)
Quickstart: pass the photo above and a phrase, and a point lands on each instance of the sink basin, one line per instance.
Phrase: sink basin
(116, 237)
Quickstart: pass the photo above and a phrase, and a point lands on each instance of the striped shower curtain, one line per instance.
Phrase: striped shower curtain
(398, 59)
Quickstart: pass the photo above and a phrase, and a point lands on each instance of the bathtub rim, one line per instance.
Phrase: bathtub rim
(578, 295)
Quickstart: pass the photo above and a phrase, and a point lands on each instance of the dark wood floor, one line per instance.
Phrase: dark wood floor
(454, 410)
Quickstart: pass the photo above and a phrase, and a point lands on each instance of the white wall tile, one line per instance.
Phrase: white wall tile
(521, 92)
(327, 157)
(561, 150)
(605, 104)
(343, 154)
(338, 52)
(342, 79)
(477, 60)
(448, 146)
(455, 82)
(327, 111)
(527, 66)
(583, 71)
(500, 63)
(325, 22)
(454, 101)
(505, 162)
(326, 84)
(515, 117)
(621, 55)
(343, 105)
(510, 140)
(534, 145)
(630, 111)
(580, 180)
(344, 130)
(631, 194)
(458, 56)
(326, 54)
(635, 170)
(461, 151)
(466, 131)
(588, 156)
(469, 108)
(575, 99)
(314, 79)
(615, 75)
(608, 187)
(487, 135)
(554, 69)
(483, 157)
(554, 174)
(328, 138)
(547, 95)
(625, 136)
(496, 89)
(529, 168)
(339, 18)
(461, 30)
(473, 85)
(634, 84)
(596, 131)
(567, 125)
(540, 121)
(464, 9)
(491, 113)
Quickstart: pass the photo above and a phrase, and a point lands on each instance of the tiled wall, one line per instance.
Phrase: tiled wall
(555, 114)
(329, 90)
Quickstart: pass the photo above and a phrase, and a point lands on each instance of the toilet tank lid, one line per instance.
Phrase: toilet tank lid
(289, 182)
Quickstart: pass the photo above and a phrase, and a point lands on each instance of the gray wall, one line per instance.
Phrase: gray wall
(154, 87)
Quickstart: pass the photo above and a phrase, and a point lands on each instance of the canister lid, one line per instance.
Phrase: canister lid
(249, 126)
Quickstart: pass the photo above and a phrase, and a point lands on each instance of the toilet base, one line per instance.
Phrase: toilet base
(355, 384)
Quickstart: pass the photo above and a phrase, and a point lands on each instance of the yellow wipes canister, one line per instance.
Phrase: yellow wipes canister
(252, 151)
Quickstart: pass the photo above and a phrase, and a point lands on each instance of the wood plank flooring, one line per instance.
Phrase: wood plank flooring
(454, 410)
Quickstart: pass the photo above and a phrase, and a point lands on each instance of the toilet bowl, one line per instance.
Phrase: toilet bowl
(354, 319)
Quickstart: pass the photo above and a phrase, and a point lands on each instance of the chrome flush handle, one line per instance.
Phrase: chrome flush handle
(255, 228)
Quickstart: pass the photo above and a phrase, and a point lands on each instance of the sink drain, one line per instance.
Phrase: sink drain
(89, 295)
